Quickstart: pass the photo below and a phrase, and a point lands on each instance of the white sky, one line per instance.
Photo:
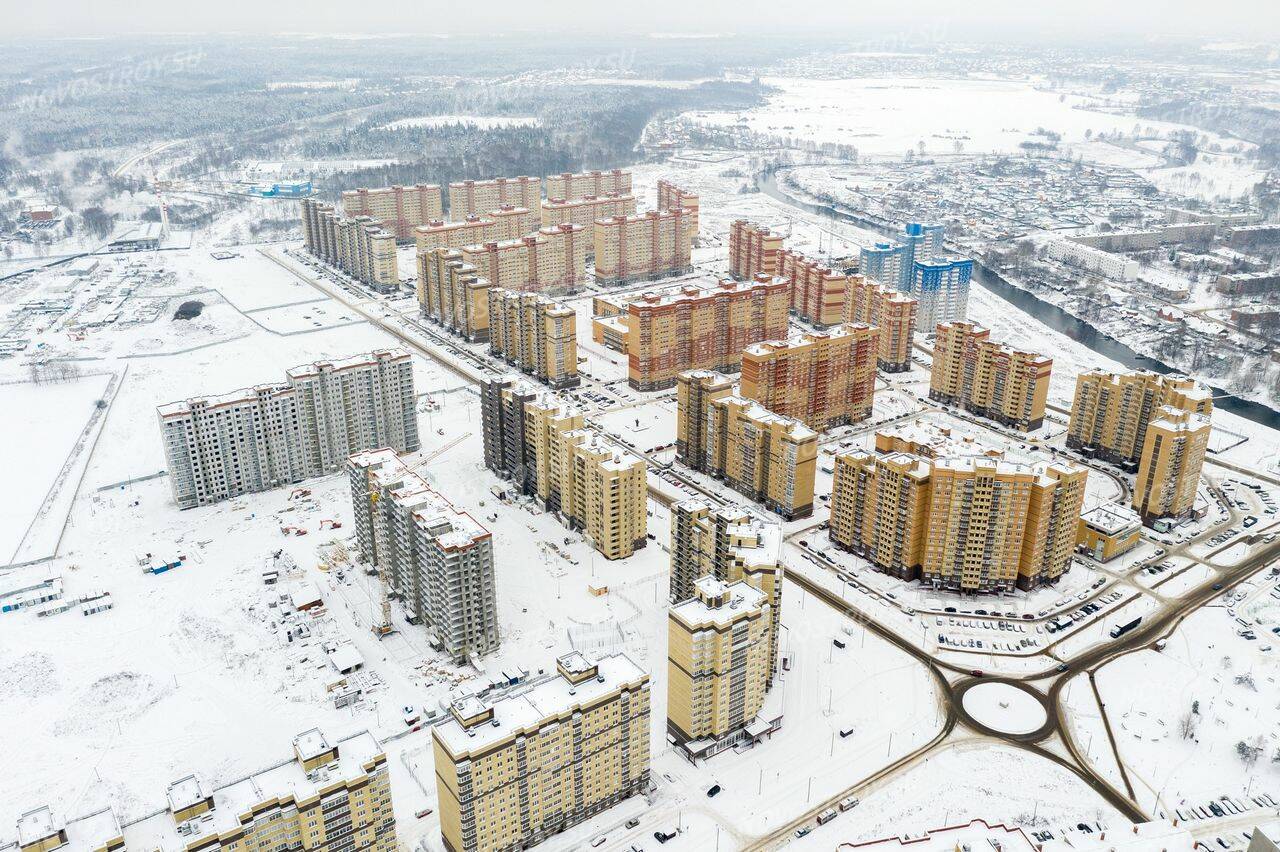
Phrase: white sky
(968, 19)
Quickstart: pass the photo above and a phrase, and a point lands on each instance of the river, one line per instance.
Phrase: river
(1046, 312)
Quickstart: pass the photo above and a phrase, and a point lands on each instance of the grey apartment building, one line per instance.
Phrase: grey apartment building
(266, 436)
(436, 559)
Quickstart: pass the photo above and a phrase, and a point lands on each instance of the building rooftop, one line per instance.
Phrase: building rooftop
(1111, 518)
(718, 603)
(452, 528)
(539, 702)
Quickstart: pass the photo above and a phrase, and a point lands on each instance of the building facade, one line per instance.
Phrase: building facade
(822, 378)
(642, 248)
(478, 197)
(254, 439)
(970, 523)
(357, 246)
(515, 770)
(1110, 412)
(818, 292)
(990, 379)
(453, 294)
(941, 286)
(330, 797)
(536, 334)
(584, 212)
(1109, 530)
(700, 328)
(718, 664)
(584, 184)
(1173, 451)
(554, 259)
(672, 197)
(753, 250)
(397, 209)
(437, 560)
(893, 313)
(893, 263)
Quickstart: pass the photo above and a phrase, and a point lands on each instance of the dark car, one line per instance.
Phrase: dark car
(1062, 667)
(713, 791)
(976, 672)
(1217, 587)
(950, 609)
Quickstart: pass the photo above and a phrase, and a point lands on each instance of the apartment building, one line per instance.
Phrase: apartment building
(541, 445)
(822, 378)
(553, 259)
(437, 560)
(585, 212)
(642, 248)
(1173, 449)
(766, 456)
(718, 663)
(397, 209)
(453, 294)
(357, 246)
(1111, 411)
(331, 796)
(516, 769)
(672, 197)
(439, 234)
(990, 379)
(586, 184)
(700, 328)
(941, 286)
(254, 439)
(695, 390)
(478, 197)
(753, 250)
(969, 523)
(893, 262)
(818, 292)
(732, 545)
(893, 313)
(536, 334)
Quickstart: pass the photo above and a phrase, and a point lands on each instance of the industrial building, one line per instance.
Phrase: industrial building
(1173, 451)
(1111, 411)
(479, 197)
(647, 247)
(822, 378)
(515, 769)
(766, 456)
(700, 327)
(436, 560)
(396, 209)
(672, 197)
(553, 259)
(990, 379)
(893, 313)
(329, 797)
(584, 184)
(753, 250)
(968, 523)
(266, 436)
(536, 334)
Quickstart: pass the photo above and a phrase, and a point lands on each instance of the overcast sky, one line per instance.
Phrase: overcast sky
(970, 19)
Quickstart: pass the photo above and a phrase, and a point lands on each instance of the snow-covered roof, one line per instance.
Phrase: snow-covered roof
(1111, 518)
(718, 603)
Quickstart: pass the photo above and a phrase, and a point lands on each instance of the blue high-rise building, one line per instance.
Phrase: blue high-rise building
(883, 262)
(941, 286)
(894, 263)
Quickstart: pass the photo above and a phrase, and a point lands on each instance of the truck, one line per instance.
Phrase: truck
(1121, 629)
(826, 816)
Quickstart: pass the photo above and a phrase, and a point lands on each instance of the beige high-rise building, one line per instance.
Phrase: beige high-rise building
(700, 328)
(672, 197)
(439, 234)
(453, 295)
(397, 209)
(817, 292)
(641, 248)
(695, 390)
(1173, 449)
(823, 378)
(732, 545)
(331, 796)
(1111, 411)
(585, 184)
(357, 246)
(968, 523)
(894, 313)
(990, 379)
(540, 443)
(753, 250)
(718, 664)
(766, 456)
(554, 259)
(479, 197)
(536, 334)
(515, 770)
(586, 211)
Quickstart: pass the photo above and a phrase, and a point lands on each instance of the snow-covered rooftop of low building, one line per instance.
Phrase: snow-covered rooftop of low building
(1111, 518)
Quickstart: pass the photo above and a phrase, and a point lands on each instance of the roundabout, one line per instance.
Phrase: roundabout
(1003, 708)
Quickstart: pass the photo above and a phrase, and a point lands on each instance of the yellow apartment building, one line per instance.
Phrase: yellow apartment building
(584, 212)
(397, 209)
(479, 197)
(554, 260)
(868, 301)
(1173, 451)
(585, 184)
(990, 379)
(1111, 411)
(641, 248)
(817, 292)
(822, 378)
(672, 197)
(753, 250)
(536, 334)
(514, 770)
(451, 293)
